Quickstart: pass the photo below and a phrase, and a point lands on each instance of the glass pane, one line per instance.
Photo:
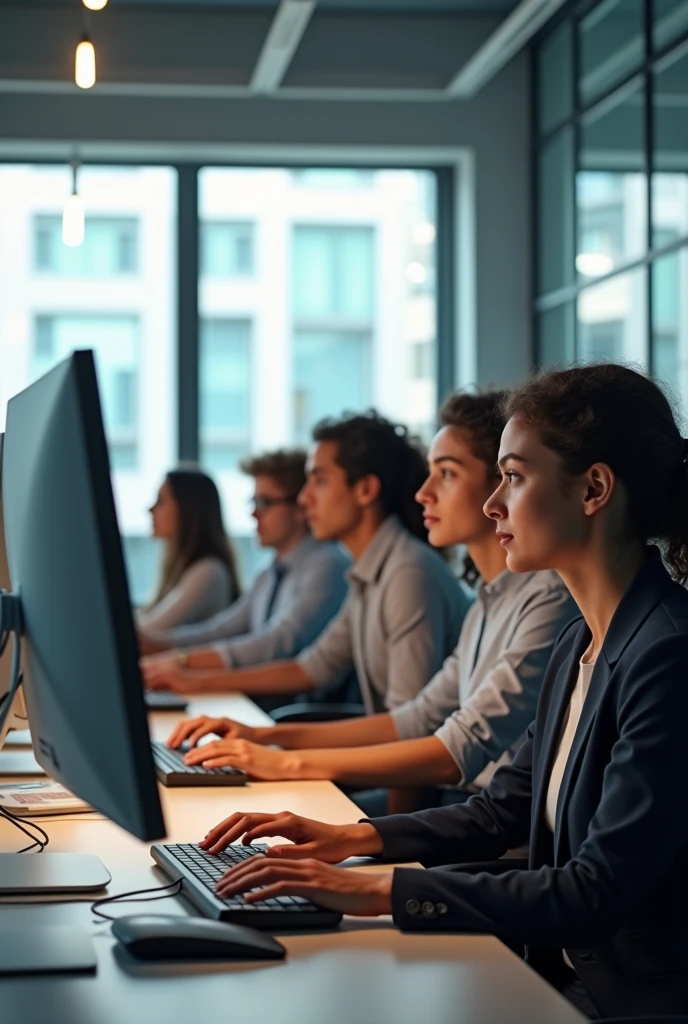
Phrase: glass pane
(670, 20)
(612, 320)
(555, 78)
(611, 191)
(225, 392)
(670, 152)
(333, 271)
(227, 250)
(115, 294)
(556, 333)
(555, 213)
(610, 40)
(670, 320)
(332, 372)
(338, 311)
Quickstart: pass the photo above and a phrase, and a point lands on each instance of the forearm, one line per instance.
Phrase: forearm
(274, 677)
(353, 732)
(408, 763)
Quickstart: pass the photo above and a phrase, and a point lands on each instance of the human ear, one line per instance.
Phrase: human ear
(599, 486)
(368, 490)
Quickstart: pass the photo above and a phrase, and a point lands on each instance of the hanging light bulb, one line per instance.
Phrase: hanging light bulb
(95, 5)
(73, 216)
(85, 64)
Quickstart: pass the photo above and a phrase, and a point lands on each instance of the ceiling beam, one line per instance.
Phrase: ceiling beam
(287, 29)
(505, 42)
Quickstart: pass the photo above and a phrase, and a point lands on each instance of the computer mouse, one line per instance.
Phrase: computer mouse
(163, 937)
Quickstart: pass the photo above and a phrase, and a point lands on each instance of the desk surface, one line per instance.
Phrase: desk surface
(364, 972)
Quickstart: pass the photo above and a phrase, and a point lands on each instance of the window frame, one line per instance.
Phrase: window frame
(652, 58)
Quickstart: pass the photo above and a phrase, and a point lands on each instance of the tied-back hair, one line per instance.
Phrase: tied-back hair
(616, 415)
(201, 532)
(480, 417)
(370, 445)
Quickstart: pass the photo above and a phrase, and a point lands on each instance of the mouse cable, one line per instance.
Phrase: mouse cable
(19, 823)
(129, 897)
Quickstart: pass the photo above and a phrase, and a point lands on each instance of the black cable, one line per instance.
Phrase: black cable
(19, 823)
(128, 897)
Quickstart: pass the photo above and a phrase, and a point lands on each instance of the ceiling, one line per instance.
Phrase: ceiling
(303, 49)
(476, 7)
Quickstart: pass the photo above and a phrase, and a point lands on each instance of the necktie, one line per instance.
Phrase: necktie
(279, 572)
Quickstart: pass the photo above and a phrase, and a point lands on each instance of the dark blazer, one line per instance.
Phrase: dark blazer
(611, 885)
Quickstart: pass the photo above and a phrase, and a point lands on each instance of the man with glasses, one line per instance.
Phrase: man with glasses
(289, 604)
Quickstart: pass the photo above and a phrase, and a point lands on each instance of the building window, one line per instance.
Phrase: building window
(333, 289)
(225, 392)
(631, 253)
(110, 247)
(227, 249)
(333, 272)
(331, 373)
(115, 340)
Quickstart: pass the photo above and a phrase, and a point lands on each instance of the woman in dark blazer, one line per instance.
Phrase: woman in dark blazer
(593, 469)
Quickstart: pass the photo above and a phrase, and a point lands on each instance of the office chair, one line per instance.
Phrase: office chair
(325, 704)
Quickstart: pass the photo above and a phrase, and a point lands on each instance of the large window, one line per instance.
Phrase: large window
(115, 293)
(316, 295)
(613, 170)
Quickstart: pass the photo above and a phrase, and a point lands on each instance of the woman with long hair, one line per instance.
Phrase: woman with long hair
(594, 484)
(199, 574)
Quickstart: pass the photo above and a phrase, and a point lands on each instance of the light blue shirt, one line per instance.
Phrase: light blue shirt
(310, 594)
(484, 697)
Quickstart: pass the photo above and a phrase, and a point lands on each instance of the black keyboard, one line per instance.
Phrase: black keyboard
(164, 700)
(171, 770)
(200, 871)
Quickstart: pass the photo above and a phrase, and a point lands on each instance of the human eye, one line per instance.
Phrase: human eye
(447, 474)
(511, 475)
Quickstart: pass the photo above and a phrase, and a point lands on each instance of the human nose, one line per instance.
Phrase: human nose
(494, 507)
(425, 494)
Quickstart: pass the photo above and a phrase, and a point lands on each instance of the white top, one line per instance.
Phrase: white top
(565, 743)
(204, 589)
(569, 731)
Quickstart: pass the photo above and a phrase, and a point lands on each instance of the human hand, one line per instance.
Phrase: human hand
(261, 763)
(167, 675)
(191, 730)
(351, 892)
(309, 838)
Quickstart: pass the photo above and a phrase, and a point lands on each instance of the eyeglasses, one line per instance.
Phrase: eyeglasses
(260, 504)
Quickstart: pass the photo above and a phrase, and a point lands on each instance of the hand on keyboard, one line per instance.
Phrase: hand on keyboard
(330, 843)
(258, 762)
(192, 729)
(350, 892)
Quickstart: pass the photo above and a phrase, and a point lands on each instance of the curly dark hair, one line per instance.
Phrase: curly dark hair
(614, 414)
(369, 444)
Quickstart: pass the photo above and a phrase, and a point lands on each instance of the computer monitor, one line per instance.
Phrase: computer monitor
(82, 684)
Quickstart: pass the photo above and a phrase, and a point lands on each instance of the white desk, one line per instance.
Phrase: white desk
(365, 972)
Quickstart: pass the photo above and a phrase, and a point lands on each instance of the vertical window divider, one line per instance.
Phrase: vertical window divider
(575, 69)
(649, 153)
(446, 298)
(188, 327)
